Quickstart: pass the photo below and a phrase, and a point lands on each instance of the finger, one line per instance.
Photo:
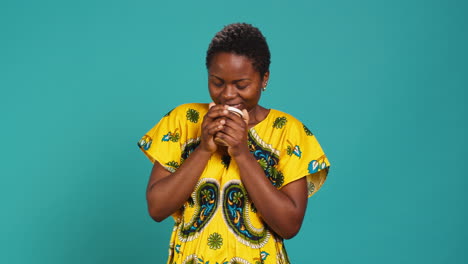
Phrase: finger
(216, 111)
(219, 141)
(209, 125)
(233, 129)
(236, 123)
(214, 129)
(235, 117)
(234, 134)
(225, 138)
(213, 122)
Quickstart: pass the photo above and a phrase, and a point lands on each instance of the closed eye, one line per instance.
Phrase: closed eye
(240, 87)
(217, 83)
(242, 84)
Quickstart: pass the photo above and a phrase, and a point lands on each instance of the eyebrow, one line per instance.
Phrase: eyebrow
(239, 80)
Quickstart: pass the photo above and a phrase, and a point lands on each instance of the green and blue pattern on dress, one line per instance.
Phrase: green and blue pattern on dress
(206, 199)
(268, 158)
(235, 212)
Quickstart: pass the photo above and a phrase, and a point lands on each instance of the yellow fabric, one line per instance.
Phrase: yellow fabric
(219, 224)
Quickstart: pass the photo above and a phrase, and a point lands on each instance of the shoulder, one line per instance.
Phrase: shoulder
(282, 119)
(192, 111)
(287, 121)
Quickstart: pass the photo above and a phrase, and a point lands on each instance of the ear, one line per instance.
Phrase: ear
(266, 77)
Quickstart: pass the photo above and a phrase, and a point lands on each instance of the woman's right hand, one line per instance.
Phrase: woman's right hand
(212, 123)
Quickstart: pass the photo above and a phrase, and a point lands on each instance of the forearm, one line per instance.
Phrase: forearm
(168, 194)
(277, 209)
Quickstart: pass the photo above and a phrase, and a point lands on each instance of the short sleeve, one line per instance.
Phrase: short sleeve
(162, 142)
(302, 156)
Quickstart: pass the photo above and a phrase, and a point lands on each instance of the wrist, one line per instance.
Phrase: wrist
(203, 151)
(240, 153)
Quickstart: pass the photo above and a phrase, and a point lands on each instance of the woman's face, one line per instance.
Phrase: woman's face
(233, 81)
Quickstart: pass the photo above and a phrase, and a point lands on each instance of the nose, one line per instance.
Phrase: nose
(229, 92)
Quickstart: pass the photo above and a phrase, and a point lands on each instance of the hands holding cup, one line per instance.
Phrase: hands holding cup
(225, 125)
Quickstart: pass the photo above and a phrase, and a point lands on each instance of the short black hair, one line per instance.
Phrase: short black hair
(241, 39)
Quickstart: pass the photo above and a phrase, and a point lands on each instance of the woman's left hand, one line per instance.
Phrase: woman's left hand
(234, 133)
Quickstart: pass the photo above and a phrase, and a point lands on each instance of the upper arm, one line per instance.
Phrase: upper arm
(157, 173)
(296, 191)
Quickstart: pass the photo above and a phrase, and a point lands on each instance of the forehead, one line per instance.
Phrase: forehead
(231, 65)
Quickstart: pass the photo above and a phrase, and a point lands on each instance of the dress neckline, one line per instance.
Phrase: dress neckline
(264, 120)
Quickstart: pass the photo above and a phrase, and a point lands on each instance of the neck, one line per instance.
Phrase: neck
(256, 115)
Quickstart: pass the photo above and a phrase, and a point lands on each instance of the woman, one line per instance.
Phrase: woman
(235, 183)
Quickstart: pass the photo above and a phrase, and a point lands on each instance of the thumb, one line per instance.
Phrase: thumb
(245, 116)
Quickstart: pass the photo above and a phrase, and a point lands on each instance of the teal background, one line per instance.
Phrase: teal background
(382, 84)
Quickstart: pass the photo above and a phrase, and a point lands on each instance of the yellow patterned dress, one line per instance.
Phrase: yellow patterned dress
(219, 224)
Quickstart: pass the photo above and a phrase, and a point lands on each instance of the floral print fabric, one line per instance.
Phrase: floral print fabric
(218, 223)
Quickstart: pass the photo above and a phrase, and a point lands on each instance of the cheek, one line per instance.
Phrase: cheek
(253, 95)
(211, 90)
(214, 94)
